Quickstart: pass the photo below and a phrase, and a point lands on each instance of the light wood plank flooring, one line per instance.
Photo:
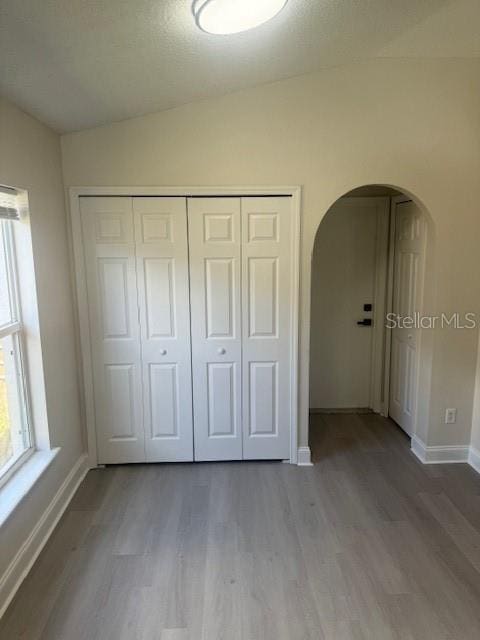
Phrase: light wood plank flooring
(368, 544)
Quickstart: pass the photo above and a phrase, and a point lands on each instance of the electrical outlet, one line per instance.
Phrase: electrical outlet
(450, 416)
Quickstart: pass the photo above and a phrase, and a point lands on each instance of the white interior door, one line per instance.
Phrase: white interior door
(266, 327)
(215, 281)
(108, 235)
(162, 275)
(409, 248)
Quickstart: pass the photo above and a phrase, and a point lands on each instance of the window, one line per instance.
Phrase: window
(15, 438)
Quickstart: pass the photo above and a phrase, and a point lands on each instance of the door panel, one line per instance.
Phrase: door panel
(220, 279)
(222, 414)
(263, 297)
(409, 250)
(120, 400)
(266, 289)
(114, 294)
(163, 397)
(159, 301)
(107, 226)
(215, 253)
(162, 272)
(263, 390)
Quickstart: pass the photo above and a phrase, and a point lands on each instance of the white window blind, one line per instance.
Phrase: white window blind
(9, 206)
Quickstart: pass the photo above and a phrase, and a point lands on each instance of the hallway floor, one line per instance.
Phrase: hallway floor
(369, 544)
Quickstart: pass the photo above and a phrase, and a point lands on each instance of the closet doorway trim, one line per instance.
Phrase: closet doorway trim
(85, 363)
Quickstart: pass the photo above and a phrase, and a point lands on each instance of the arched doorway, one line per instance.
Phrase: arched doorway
(370, 281)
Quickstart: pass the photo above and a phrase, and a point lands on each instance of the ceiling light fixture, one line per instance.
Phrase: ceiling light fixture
(221, 17)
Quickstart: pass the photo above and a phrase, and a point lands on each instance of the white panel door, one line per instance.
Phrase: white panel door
(409, 248)
(215, 280)
(162, 275)
(108, 235)
(266, 327)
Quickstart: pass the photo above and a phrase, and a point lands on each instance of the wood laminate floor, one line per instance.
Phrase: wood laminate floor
(368, 544)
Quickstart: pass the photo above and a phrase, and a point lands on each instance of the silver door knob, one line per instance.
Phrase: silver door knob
(222, 351)
(163, 352)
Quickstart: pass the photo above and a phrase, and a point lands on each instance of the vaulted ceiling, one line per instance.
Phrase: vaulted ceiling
(80, 63)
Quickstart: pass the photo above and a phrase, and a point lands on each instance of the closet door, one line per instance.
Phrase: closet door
(162, 275)
(266, 310)
(108, 236)
(215, 280)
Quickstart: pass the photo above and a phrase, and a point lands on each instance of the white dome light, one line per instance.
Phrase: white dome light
(232, 16)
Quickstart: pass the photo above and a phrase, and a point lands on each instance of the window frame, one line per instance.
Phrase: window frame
(15, 330)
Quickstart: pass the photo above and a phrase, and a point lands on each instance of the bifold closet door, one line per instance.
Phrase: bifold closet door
(266, 326)
(109, 245)
(136, 261)
(162, 275)
(146, 298)
(241, 293)
(215, 279)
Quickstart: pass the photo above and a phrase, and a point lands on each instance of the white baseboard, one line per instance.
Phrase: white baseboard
(418, 447)
(439, 455)
(304, 458)
(474, 458)
(23, 561)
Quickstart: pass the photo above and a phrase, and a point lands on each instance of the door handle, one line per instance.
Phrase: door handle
(366, 322)
(222, 351)
(163, 352)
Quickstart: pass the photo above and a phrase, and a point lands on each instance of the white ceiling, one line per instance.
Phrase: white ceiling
(80, 63)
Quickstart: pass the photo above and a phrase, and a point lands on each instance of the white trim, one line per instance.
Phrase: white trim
(185, 192)
(389, 309)
(30, 338)
(295, 310)
(81, 288)
(33, 545)
(12, 467)
(474, 458)
(10, 329)
(19, 485)
(304, 458)
(380, 304)
(419, 448)
(446, 455)
(439, 454)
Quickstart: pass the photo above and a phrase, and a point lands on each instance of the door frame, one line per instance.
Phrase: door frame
(387, 356)
(84, 344)
(380, 302)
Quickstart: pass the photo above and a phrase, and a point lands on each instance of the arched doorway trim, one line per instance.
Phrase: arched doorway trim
(426, 345)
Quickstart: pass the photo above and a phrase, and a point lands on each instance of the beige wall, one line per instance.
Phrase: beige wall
(30, 159)
(413, 124)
